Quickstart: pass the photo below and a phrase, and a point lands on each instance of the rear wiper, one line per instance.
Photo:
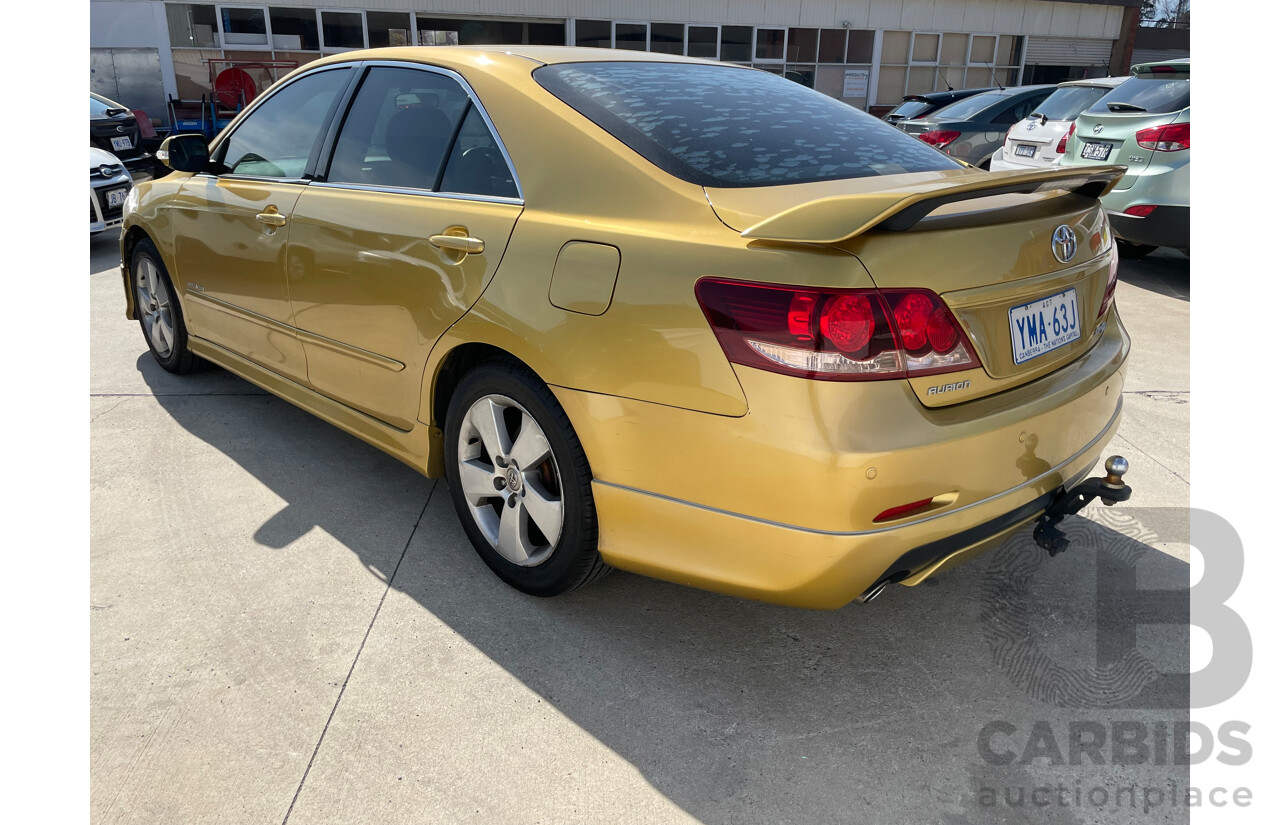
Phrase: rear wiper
(112, 112)
(1125, 107)
(1041, 115)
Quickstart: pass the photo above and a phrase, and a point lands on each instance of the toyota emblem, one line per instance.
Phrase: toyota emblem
(1064, 243)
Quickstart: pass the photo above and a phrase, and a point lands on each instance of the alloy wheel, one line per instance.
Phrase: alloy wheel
(155, 308)
(510, 480)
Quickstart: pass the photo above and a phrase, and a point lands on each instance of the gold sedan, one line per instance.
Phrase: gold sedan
(677, 317)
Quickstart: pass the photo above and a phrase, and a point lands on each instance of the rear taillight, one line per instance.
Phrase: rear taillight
(1171, 138)
(835, 334)
(1062, 144)
(1142, 210)
(1109, 296)
(938, 137)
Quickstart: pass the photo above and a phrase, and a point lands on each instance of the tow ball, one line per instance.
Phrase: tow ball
(1110, 489)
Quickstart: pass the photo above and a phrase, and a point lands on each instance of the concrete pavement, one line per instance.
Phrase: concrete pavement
(289, 626)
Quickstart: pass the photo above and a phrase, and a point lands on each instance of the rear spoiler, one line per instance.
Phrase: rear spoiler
(839, 218)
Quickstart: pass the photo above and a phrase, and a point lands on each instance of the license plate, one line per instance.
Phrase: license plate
(121, 143)
(1024, 150)
(1043, 325)
(116, 196)
(1096, 151)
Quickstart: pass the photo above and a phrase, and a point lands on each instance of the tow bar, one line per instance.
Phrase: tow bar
(1110, 489)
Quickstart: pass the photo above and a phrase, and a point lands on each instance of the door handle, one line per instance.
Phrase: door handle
(459, 243)
(272, 217)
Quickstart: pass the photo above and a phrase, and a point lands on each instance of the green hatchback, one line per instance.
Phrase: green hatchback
(1145, 124)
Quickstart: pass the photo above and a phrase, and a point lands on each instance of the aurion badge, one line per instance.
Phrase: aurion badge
(1064, 243)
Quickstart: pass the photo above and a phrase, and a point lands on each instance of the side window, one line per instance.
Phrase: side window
(398, 129)
(476, 165)
(276, 139)
(1010, 115)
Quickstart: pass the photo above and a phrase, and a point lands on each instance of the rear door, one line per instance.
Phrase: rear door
(398, 237)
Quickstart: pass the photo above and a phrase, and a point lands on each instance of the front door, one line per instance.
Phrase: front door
(231, 225)
(397, 239)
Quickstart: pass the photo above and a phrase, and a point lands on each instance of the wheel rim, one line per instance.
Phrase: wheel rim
(510, 480)
(155, 308)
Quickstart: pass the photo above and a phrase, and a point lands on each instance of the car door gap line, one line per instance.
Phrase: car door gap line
(373, 620)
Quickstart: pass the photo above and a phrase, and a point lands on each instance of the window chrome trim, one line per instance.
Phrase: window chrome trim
(479, 107)
(359, 66)
(422, 193)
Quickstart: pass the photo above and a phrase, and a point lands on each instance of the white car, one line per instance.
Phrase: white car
(1039, 139)
(109, 184)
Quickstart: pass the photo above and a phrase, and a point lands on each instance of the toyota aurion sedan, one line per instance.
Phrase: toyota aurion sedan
(677, 317)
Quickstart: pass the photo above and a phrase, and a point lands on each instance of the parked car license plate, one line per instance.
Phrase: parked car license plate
(1043, 325)
(121, 143)
(1096, 151)
(116, 196)
(1024, 150)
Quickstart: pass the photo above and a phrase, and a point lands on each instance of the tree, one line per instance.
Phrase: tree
(1166, 14)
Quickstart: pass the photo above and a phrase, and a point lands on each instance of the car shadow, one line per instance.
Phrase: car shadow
(739, 711)
(1164, 272)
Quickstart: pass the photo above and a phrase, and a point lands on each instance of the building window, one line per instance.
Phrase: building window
(593, 34)
(342, 30)
(735, 44)
(666, 38)
(244, 26)
(923, 62)
(295, 30)
(770, 44)
(631, 36)
(192, 25)
(704, 42)
(385, 28)
(802, 45)
(831, 46)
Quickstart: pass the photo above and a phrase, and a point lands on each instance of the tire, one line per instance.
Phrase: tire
(508, 510)
(159, 314)
(1134, 251)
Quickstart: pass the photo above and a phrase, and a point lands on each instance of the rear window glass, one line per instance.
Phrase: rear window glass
(910, 109)
(1069, 101)
(723, 126)
(1146, 94)
(970, 106)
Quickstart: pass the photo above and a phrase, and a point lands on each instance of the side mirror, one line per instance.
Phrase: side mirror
(184, 153)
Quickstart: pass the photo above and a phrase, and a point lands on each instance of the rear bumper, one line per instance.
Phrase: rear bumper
(1167, 226)
(779, 505)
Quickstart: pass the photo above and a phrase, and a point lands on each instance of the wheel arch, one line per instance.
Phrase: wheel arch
(129, 240)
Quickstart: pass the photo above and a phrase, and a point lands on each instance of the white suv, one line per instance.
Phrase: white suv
(1040, 139)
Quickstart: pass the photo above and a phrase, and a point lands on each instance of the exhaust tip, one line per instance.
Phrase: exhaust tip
(872, 592)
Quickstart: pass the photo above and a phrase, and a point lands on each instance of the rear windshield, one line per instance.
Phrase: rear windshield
(968, 107)
(1069, 101)
(1146, 94)
(724, 126)
(910, 109)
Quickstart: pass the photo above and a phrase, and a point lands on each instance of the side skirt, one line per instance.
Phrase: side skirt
(414, 447)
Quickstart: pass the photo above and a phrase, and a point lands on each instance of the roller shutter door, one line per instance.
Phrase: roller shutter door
(1068, 51)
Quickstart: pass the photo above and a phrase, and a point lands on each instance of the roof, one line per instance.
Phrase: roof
(1107, 82)
(479, 56)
